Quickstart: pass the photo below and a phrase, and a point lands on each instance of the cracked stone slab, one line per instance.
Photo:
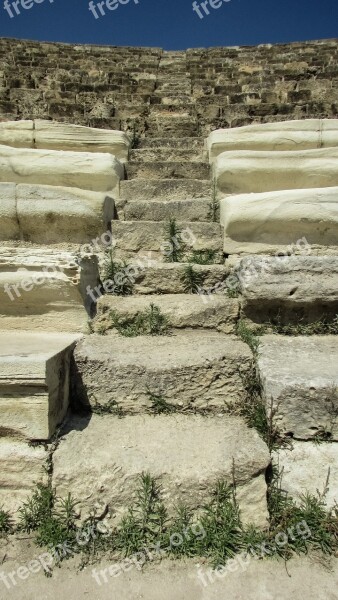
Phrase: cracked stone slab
(34, 382)
(203, 370)
(299, 376)
(99, 461)
(305, 467)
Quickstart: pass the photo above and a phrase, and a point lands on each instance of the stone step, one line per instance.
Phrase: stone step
(245, 171)
(49, 135)
(167, 170)
(22, 467)
(45, 289)
(288, 135)
(133, 238)
(181, 310)
(196, 209)
(173, 154)
(46, 214)
(173, 125)
(198, 370)
(100, 461)
(166, 190)
(188, 143)
(270, 222)
(100, 172)
(289, 289)
(151, 277)
(300, 384)
(305, 467)
(34, 382)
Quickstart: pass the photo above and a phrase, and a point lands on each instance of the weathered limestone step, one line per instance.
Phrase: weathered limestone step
(34, 382)
(169, 278)
(168, 153)
(99, 462)
(199, 370)
(289, 289)
(196, 209)
(270, 221)
(167, 170)
(51, 135)
(305, 467)
(173, 125)
(168, 189)
(245, 171)
(189, 143)
(45, 289)
(288, 135)
(86, 170)
(22, 467)
(300, 384)
(133, 238)
(46, 214)
(181, 310)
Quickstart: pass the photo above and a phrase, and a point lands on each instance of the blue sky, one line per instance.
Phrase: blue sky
(171, 24)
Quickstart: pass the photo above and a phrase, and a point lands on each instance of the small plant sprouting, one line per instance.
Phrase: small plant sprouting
(6, 525)
(248, 336)
(159, 405)
(173, 240)
(135, 140)
(149, 322)
(322, 326)
(213, 213)
(116, 271)
(203, 257)
(110, 408)
(192, 280)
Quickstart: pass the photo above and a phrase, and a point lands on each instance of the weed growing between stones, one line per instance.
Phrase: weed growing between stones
(159, 405)
(115, 272)
(149, 322)
(253, 410)
(6, 524)
(173, 244)
(248, 336)
(191, 279)
(214, 208)
(111, 408)
(321, 327)
(203, 257)
(213, 531)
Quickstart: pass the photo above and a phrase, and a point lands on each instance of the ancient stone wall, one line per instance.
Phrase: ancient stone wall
(129, 88)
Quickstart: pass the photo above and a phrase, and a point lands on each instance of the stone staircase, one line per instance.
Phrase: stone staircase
(198, 374)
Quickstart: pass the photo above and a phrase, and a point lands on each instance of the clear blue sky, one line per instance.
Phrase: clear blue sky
(172, 24)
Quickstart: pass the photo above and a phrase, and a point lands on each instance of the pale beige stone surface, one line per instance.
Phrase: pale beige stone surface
(181, 310)
(52, 135)
(303, 134)
(97, 172)
(268, 221)
(305, 467)
(21, 468)
(99, 460)
(34, 382)
(245, 171)
(300, 383)
(202, 370)
(47, 285)
(9, 223)
(289, 288)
